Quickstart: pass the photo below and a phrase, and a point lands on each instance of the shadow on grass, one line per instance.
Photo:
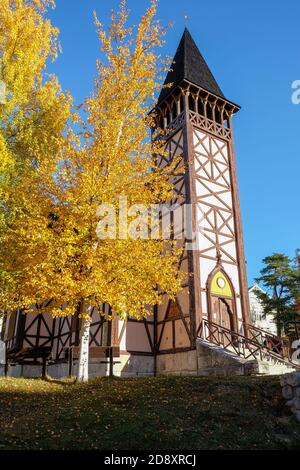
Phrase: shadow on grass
(158, 413)
(62, 381)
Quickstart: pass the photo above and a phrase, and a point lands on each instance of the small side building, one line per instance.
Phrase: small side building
(259, 319)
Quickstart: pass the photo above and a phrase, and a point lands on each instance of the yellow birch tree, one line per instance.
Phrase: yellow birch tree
(34, 112)
(52, 249)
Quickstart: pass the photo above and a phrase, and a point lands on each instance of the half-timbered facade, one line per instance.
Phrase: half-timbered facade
(196, 121)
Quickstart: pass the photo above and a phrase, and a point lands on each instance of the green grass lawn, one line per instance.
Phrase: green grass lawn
(177, 413)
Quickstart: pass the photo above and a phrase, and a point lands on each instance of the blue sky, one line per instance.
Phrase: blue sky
(253, 49)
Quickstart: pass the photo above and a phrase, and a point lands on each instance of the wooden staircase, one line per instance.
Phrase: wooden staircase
(272, 354)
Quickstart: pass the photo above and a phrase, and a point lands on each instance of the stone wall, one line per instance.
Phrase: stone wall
(182, 363)
(291, 391)
(134, 366)
(215, 361)
(126, 366)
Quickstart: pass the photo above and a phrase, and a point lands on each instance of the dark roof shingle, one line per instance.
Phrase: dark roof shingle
(189, 64)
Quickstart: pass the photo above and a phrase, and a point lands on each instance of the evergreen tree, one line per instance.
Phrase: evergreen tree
(280, 277)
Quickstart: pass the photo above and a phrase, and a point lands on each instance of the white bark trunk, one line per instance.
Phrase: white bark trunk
(83, 366)
(120, 132)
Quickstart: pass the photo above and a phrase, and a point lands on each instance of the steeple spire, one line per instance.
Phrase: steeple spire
(189, 64)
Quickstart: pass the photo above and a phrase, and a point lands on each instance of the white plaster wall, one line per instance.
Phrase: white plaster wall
(166, 341)
(137, 338)
(206, 267)
(181, 336)
(239, 309)
(267, 322)
(215, 178)
(233, 274)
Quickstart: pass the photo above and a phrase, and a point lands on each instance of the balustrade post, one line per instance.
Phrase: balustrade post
(203, 328)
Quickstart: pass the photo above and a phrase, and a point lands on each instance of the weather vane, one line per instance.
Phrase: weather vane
(186, 18)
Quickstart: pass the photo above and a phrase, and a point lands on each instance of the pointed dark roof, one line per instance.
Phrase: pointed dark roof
(189, 64)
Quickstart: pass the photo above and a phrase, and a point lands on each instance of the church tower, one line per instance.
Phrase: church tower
(196, 120)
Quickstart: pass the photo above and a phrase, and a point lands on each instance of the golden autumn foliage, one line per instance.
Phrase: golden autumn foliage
(35, 112)
(49, 245)
(33, 117)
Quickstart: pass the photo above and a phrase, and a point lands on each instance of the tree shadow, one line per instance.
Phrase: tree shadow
(62, 381)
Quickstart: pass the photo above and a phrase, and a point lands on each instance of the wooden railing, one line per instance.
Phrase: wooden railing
(251, 346)
(293, 330)
(269, 341)
(209, 125)
(197, 120)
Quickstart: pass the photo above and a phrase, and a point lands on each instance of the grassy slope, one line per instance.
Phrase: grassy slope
(153, 413)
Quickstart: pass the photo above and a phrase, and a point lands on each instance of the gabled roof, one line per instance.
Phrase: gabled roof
(189, 64)
(256, 287)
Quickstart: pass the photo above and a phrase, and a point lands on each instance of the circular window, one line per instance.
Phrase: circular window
(221, 282)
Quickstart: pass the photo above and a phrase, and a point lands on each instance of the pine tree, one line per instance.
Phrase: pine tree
(280, 277)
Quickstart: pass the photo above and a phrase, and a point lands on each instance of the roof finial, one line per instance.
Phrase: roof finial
(219, 256)
(186, 18)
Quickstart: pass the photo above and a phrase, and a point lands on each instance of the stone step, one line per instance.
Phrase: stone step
(270, 366)
(217, 361)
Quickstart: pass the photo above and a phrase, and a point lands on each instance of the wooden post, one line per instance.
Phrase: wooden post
(155, 313)
(111, 361)
(196, 98)
(44, 366)
(70, 362)
(205, 108)
(6, 367)
(178, 105)
(239, 233)
(195, 309)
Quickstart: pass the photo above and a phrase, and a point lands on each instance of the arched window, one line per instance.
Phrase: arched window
(181, 103)
(174, 110)
(191, 103)
(161, 122)
(218, 115)
(201, 107)
(168, 112)
(209, 111)
(220, 285)
(221, 300)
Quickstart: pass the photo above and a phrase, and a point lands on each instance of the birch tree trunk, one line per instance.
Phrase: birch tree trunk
(83, 366)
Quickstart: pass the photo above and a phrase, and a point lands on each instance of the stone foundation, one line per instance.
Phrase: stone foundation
(181, 363)
(126, 366)
(134, 366)
(56, 371)
(15, 371)
(291, 391)
(206, 360)
(216, 361)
